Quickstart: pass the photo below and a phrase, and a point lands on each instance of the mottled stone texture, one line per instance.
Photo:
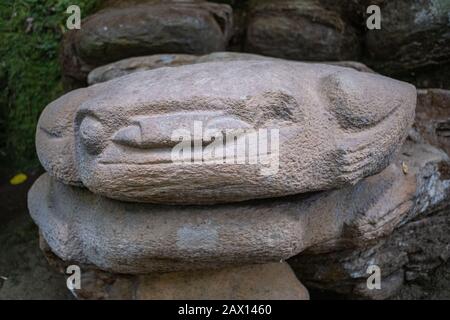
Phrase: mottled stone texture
(78, 225)
(408, 259)
(414, 39)
(412, 44)
(149, 238)
(353, 11)
(299, 30)
(396, 219)
(136, 64)
(336, 126)
(119, 32)
(433, 117)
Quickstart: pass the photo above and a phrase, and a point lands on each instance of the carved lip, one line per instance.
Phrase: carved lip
(163, 156)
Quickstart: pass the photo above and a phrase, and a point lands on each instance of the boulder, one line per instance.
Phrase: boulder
(414, 39)
(353, 11)
(119, 32)
(331, 126)
(433, 117)
(136, 64)
(299, 30)
(415, 246)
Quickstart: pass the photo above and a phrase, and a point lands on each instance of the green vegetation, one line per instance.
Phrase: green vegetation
(30, 35)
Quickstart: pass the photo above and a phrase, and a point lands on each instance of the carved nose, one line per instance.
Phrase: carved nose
(147, 132)
(138, 136)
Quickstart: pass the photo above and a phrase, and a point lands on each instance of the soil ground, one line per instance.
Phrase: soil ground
(24, 272)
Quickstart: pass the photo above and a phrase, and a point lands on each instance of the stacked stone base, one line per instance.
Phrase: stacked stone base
(270, 281)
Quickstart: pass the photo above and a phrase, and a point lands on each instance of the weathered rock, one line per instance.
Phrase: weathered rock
(353, 11)
(351, 64)
(136, 64)
(237, 39)
(300, 30)
(417, 243)
(333, 126)
(120, 32)
(141, 238)
(430, 77)
(433, 117)
(272, 281)
(435, 286)
(414, 38)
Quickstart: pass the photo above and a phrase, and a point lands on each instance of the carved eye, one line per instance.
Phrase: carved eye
(92, 135)
(361, 100)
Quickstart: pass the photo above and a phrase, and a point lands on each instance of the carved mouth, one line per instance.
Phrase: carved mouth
(123, 155)
(179, 138)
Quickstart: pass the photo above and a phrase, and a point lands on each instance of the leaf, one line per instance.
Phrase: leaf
(18, 179)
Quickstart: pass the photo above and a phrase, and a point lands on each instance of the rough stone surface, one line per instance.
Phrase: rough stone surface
(137, 238)
(434, 286)
(272, 281)
(136, 64)
(83, 227)
(119, 32)
(415, 246)
(433, 117)
(299, 30)
(352, 11)
(414, 39)
(335, 125)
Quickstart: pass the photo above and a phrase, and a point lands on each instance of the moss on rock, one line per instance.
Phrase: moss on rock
(30, 33)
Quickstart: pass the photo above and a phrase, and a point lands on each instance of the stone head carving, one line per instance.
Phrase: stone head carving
(332, 126)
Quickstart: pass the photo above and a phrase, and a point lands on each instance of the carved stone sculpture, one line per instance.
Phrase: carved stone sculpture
(141, 238)
(333, 127)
